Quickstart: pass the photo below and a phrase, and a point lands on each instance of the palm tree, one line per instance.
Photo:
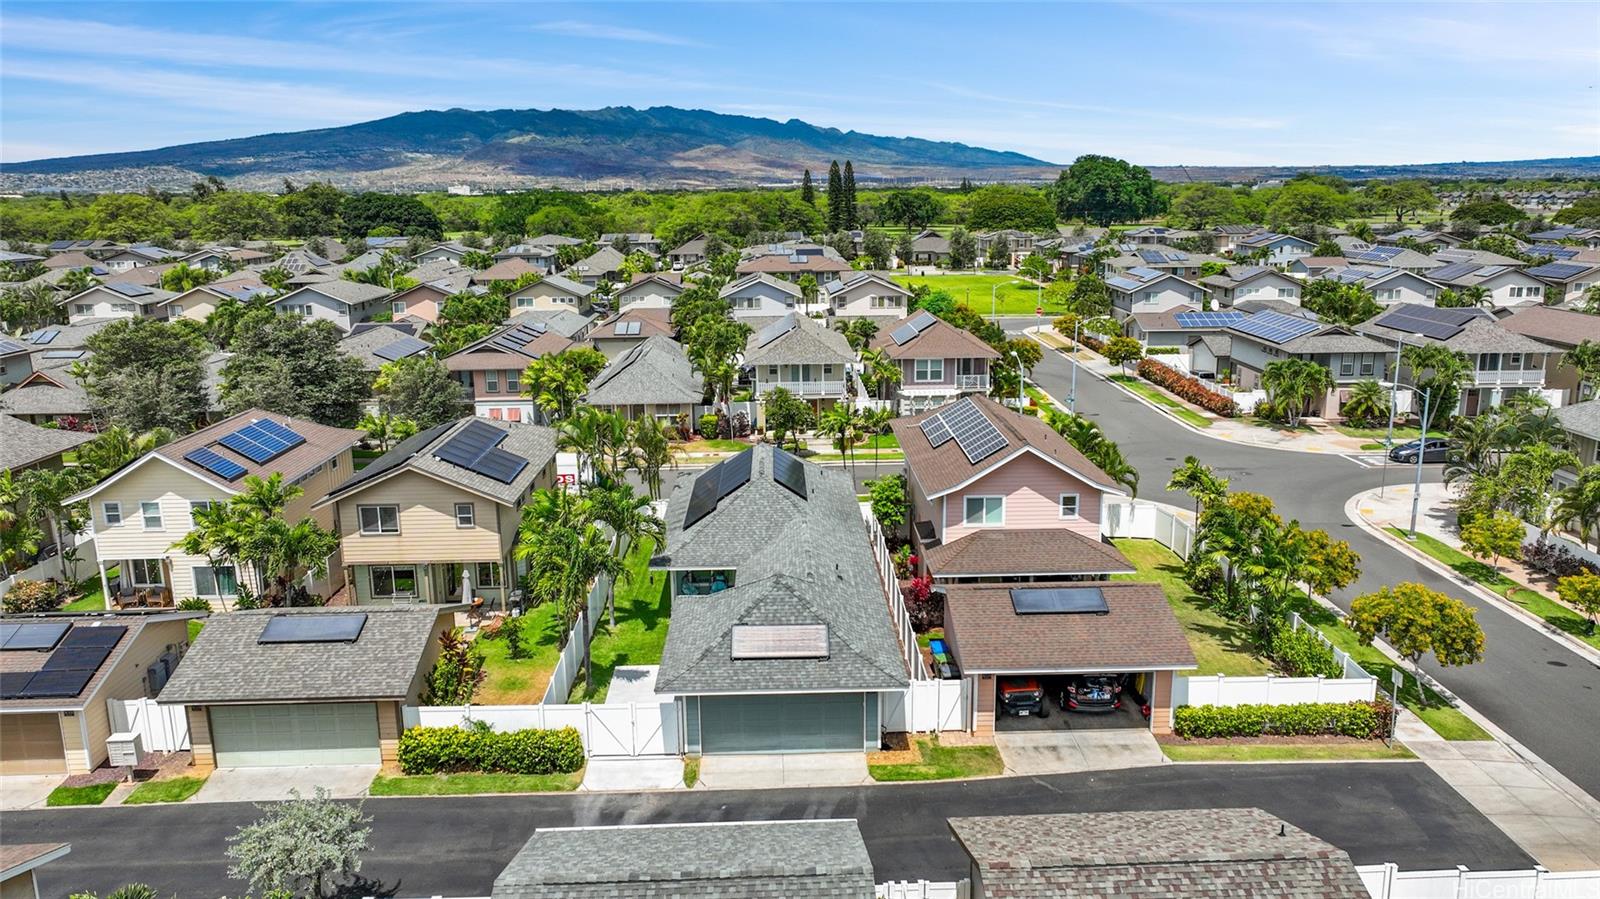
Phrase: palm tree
(47, 492)
(19, 540)
(1446, 372)
(11, 496)
(377, 427)
(565, 551)
(268, 496)
(1368, 403)
(859, 332)
(879, 370)
(1579, 504)
(839, 421)
(117, 446)
(630, 519)
(875, 422)
(554, 383)
(1087, 438)
(1199, 481)
(76, 281)
(594, 435)
(653, 452)
(1108, 457)
(1292, 383)
(216, 535)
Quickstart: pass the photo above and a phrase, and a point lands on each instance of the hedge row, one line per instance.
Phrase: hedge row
(439, 750)
(1186, 388)
(1365, 720)
(1161, 351)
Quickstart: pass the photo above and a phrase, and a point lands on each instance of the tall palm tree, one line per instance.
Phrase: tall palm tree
(653, 452)
(268, 496)
(216, 535)
(11, 496)
(117, 446)
(565, 551)
(630, 519)
(1199, 481)
(880, 371)
(581, 433)
(875, 422)
(1368, 403)
(47, 492)
(1579, 504)
(555, 384)
(840, 422)
(1292, 383)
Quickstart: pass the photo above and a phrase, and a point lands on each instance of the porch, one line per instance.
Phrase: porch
(430, 583)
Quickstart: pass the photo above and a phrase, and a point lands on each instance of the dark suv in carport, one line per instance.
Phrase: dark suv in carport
(1092, 693)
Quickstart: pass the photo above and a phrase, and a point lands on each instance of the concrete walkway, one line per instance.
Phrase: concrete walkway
(1072, 751)
(769, 772)
(271, 784)
(20, 791)
(633, 775)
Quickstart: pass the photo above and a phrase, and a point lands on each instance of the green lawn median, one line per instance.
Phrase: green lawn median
(1283, 752)
(939, 762)
(93, 794)
(1167, 403)
(470, 783)
(176, 789)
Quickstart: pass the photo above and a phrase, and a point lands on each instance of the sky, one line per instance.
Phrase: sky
(1158, 84)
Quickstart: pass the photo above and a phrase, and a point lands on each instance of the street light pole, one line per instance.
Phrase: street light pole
(1021, 403)
(1416, 493)
(1072, 397)
(1394, 397)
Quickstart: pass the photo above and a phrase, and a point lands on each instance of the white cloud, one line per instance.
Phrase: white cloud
(602, 32)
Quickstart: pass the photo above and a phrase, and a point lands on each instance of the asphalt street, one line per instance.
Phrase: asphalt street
(1532, 686)
(1386, 811)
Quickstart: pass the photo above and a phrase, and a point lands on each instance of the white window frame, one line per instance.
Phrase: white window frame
(110, 511)
(397, 307)
(491, 380)
(378, 529)
(133, 573)
(966, 510)
(1077, 506)
(194, 574)
(478, 580)
(372, 581)
(471, 518)
(922, 371)
(144, 516)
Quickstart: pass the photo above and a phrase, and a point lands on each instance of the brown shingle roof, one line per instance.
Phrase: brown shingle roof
(1035, 551)
(505, 270)
(782, 264)
(942, 468)
(940, 341)
(1140, 633)
(322, 443)
(1560, 327)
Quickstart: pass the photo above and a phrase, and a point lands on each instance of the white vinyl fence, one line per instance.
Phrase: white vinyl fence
(619, 729)
(570, 663)
(897, 603)
(927, 706)
(161, 728)
(1357, 685)
(48, 569)
(1148, 521)
(1387, 881)
(923, 889)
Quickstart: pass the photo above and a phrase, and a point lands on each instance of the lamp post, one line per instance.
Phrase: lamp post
(1416, 493)
(993, 301)
(1394, 397)
(1072, 395)
(1021, 403)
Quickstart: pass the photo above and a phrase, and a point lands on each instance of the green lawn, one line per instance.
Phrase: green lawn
(1552, 612)
(879, 441)
(714, 446)
(521, 681)
(942, 763)
(94, 794)
(196, 625)
(462, 784)
(175, 790)
(1401, 434)
(643, 607)
(91, 601)
(973, 291)
(1154, 395)
(361, 458)
(1220, 645)
(1286, 752)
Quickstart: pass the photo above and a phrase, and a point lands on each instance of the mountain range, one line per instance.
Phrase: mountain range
(618, 147)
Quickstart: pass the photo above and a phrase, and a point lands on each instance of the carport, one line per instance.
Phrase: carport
(1056, 633)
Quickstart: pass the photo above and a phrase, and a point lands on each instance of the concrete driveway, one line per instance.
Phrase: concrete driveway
(634, 774)
(765, 772)
(271, 784)
(1071, 751)
(19, 791)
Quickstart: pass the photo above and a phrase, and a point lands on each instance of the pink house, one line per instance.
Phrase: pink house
(997, 495)
(938, 361)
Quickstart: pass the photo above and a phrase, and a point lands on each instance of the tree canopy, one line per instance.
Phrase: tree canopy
(1104, 190)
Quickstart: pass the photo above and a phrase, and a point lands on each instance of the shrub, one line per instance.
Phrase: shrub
(923, 606)
(1363, 720)
(1548, 558)
(1161, 351)
(1204, 576)
(1186, 388)
(708, 424)
(442, 750)
(194, 604)
(34, 596)
(1300, 653)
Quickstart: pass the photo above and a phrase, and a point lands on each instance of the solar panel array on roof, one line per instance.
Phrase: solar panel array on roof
(903, 335)
(9, 347)
(1431, 322)
(1455, 270)
(1143, 274)
(476, 448)
(64, 354)
(626, 329)
(1275, 327)
(923, 320)
(1556, 251)
(1353, 275)
(405, 346)
(13, 682)
(715, 483)
(222, 467)
(789, 471)
(262, 441)
(1121, 283)
(129, 290)
(970, 428)
(1208, 319)
(779, 641)
(937, 432)
(777, 329)
(55, 684)
(1059, 601)
(1378, 254)
(38, 637)
(516, 339)
(40, 338)
(337, 627)
(1559, 271)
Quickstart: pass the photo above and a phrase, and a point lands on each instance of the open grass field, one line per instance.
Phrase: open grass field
(1014, 296)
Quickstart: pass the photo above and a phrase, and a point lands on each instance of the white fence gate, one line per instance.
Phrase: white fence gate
(927, 706)
(1387, 881)
(161, 728)
(620, 729)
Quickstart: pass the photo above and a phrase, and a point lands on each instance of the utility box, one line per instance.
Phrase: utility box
(124, 749)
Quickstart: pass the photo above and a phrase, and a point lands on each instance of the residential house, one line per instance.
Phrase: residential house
(1210, 355)
(1388, 286)
(137, 514)
(868, 295)
(1157, 236)
(652, 380)
(1314, 267)
(1261, 338)
(19, 863)
(652, 290)
(1162, 328)
(1018, 244)
(56, 721)
(604, 264)
(1562, 330)
(1421, 236)
(938, 361)
(139, 255)
(1482, 257)
(434, 520)
(1589, 237)
(624, 331)
(438, 282)
(1143, 289)
(392, 243)
(73, 259)
(542, 258)
(508, 269)
(781, 638)
(929, 248)
(197, 303)
(1505, 285)
(551, 293)
(638, 241)
(1279, 249)
(1395, 258)
(1245, 282)
(13, 258)
(375, 344)
(449, 251)
(793, 260)
(226, 258)
(115, 300)
(1504, 362)
(1225, 238)
(690, 252)
(1581, 422)
(344, 303)
(16, 361)
(98, 248)
(803, 356)
(760, 298)
(1568, 282)
(24, 446)
(490, 370)
(48, 393)
(299, 261)
(307, 686)
(334, 272)
(554, 240)
(1169, 262)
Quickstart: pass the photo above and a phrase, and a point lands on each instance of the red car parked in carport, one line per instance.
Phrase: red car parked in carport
(1022, 696)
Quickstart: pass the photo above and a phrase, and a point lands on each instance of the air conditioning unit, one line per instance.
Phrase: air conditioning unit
(124, 749)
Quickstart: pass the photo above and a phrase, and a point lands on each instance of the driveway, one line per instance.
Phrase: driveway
(1072, 751)
(270, 784)
(634, 774)
(19, 791)
(766, 772)
(633, 683)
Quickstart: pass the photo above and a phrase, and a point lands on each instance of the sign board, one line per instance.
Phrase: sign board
(1398, 678)
(1038, 310)
(567, 470)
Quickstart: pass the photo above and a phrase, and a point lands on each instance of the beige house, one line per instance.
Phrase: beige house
(434, 520)
(552, 294)
(197, 303)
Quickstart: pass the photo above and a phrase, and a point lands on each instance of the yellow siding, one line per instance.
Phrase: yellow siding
(174, 489)
(428, 531)
(72, 744)
(429, 656)
(205, 756)
(1161, 703)
(389, 732)
(127, 679)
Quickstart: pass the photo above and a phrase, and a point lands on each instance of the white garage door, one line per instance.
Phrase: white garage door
(330, 733)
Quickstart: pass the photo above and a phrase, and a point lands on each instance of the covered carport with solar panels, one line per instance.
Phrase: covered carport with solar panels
(1066, 656)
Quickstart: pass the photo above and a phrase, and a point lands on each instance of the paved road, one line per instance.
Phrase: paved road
(1378, 812)
(1536, 689)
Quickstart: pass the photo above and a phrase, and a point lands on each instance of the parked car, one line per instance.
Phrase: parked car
(1092, 693)
(1434, 449)
(1022, 696)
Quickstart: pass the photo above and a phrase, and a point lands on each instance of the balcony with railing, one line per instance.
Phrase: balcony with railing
(804, 388)
(1524, 377)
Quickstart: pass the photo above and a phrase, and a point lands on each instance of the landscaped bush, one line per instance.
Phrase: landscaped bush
(193, 604)
(1161, 351)
(1300, 653)
(1185, 387)
(1092, 342)
(1549, 558)
(1364, 720)
(924, 607)
(442, 750)
(708, 424)
(34, 596)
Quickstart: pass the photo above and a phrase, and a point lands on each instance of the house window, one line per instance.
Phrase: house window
(466, 516)
(82, 309)
(146, 572)
(513, 381)
(218, 581)
(1513, 361)
(1347, 365)
(1286, 293)
(491, 381)
(394, 581)
(113, 514)
(379, 519)
(398, 307)
(488, 574)
(524, 302)
(929, 370)
(1488, 362)
(122, 307)
(175, 311)
(1069, 505)
(1516, 292)
(1368, 364)
(151, 513)
(984, 511)
(1536, 290)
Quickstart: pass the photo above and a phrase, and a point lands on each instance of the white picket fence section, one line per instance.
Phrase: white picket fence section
(161, 728)
(1357, 685)
(1148, 521)
(1387, 881)
(923, 889)
(927, 706)
(570, 662)
(619, 729)
(897, 603)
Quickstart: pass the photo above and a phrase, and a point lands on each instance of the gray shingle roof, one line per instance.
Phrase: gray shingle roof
(24, 444)
(365, 343)
(352, 293)
(48, 391)
(824, 859)
(657, 371)
(535, 443)
(808, 343)
(1481, 335)
(560, 282)
(68, 337)
(227, 664)
(1582, 419)
(796, 561)
(740, 283)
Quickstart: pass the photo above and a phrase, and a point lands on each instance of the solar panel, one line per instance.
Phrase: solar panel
(703, 497)
(777, 329)
(625, 329)
(1154, 257)
(94, 635)
(1559, 271)
(283, 432)
(923, 320)
(1059, 601)
(903, 335)
(1275, 327)
(41, 636)
(470, 443)
(937, 432)
(405, 346)
(973, 431)
(338, 627)
(1208, 319)
(64, 354)
(47, 684)
(1490, 271)
(1460, 270)
(779, 641)
(13, 682)
(1431, 322)
(7, 631)
(76, 658)
(735, 472)
(789, 471)
(44, 337)
(244, 446)
(129, 290)
(224, 468)
(1142, 273)
(500, 465)
(1122, 283)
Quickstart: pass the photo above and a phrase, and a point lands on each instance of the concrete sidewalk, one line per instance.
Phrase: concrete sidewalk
(769, 772)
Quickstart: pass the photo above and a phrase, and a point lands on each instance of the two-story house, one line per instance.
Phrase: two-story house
(139, 255)
(1170, 262)
(119, 299)
(1263, 337)
(437, 283)
(690, 252)
(1505, 285)
(1421, 236)
(802, 356)
(938, 361)
(197, 303)
(1018, 244)
(626, 330)
(1581, 421)
(490, 370)
(138, 513)
(1279, 249)
(1504, 363)
(449, 251)
(760, 297)
(637, 241)
(653, 290)
(654, 379)
(1225, 238)
(1388, 286)
(1395, 258)
(868, 295)
(1561, 330)
(1567, 282)
(793, 260)
(929, 248)
(601, 265)
(540, 257)
(1157, 235)
(435, 519)
(512, 269)
(345, 303)
(551, 293)
(1251, 282)
(1142, 289)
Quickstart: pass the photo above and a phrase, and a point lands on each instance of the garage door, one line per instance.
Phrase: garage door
(332, 733)
(31, 744)
(809, 722)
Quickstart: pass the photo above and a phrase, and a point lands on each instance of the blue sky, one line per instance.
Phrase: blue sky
(1227, 84)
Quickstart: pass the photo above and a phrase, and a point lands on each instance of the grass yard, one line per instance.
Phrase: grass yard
(643, 607)
(520, 681)
(1015, 296)
(91, 601)
(94, 794)
(1220, 645)
(1284, 752)
(1154, 395)
(469, 783)
(196, 625)
(361, 458)
(175, 790)
(1553, 613)
(942, 763)
(1401, 434)
(714, 446)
